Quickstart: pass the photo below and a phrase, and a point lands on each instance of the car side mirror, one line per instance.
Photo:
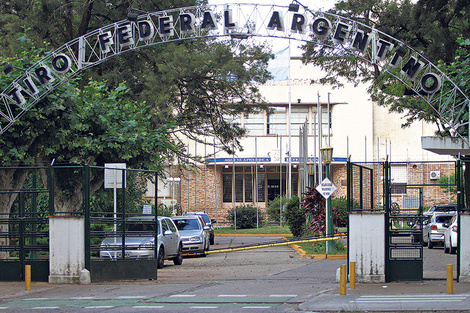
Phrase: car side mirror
(206, 227)
(213, 221)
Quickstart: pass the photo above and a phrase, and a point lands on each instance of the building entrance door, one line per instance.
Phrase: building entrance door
(274, 188)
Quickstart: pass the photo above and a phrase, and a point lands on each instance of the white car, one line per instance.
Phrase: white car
(435, 226)
(450, 236)
(194, 234)
(140, 241)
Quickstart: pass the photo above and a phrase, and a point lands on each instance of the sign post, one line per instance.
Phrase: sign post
(113, 179)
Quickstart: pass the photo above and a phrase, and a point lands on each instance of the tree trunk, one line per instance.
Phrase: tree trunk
(68, 188)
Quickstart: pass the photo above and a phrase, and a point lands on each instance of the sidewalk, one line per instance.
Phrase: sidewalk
(13, 289)
(426, 296)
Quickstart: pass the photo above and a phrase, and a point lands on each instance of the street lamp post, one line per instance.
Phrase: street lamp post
(311, 172)
(327, 156)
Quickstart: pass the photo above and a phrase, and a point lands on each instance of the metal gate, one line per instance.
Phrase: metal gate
(24, 231)
(370, 190)
(403, 235)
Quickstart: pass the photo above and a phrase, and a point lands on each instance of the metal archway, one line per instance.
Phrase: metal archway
(240, 21)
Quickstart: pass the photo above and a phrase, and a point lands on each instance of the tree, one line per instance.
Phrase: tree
(196, 87)
(459, 70)
(186, 82)
(431, 27)
(436, 28)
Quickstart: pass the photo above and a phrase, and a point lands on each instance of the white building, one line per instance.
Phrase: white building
(359, 129)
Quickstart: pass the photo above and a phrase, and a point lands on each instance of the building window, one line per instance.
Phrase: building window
(268, 183)
(324, 122)
(399, 179)
(254, 124)
(227, 187)
(276, 122)
(299, 115)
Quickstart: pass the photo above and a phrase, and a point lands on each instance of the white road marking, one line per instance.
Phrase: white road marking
(100, 307)
(148, 307)
(83, 298)
(182, 296)
(231, 296)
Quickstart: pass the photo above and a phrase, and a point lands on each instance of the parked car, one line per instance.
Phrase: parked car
(140, 241)
(443, 207)
(194, 234)
(434, 228)
(208, 221)
(450, 236)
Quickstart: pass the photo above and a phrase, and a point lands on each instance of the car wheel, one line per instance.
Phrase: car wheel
(452, 249)
(446, 249)
(178, 260)
(430, 244)
(161, 257)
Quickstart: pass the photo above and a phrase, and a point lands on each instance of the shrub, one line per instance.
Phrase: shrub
(247, 216)
(294, 217)
(273, 209)
(340, 211)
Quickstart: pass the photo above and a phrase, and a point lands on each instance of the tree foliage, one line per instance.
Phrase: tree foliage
(430, 27)
(138, 107)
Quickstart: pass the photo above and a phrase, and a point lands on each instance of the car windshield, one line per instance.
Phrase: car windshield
(187, 224)
(205, 217)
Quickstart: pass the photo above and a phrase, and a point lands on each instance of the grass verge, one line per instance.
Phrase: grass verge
(253, 231)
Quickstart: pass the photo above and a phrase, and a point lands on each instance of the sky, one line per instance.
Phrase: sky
(280, 44)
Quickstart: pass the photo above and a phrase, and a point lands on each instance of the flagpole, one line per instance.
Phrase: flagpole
(289, 184)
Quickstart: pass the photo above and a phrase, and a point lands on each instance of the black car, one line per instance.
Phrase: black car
(209, 222)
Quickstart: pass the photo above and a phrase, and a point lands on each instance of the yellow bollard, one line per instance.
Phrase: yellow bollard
(27, 277)
(342, 284)
(352, 275)
(450, 279)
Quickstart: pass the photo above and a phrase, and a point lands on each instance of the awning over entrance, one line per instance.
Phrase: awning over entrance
(445, 145)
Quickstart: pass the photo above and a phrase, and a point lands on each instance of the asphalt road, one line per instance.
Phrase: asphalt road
(271, 279)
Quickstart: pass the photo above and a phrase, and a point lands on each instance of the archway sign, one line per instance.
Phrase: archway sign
(239, 21)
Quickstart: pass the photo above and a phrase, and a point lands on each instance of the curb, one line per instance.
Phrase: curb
(304, 255)
(253, 235)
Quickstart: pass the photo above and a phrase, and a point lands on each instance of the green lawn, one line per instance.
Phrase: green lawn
(309, 248)
(320, 248)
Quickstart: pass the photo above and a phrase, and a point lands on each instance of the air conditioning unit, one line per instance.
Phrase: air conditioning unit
(433, 175)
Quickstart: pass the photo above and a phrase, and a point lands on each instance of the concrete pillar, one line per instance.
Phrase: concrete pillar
(66, 249)
(464, 229)
(367, 245)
